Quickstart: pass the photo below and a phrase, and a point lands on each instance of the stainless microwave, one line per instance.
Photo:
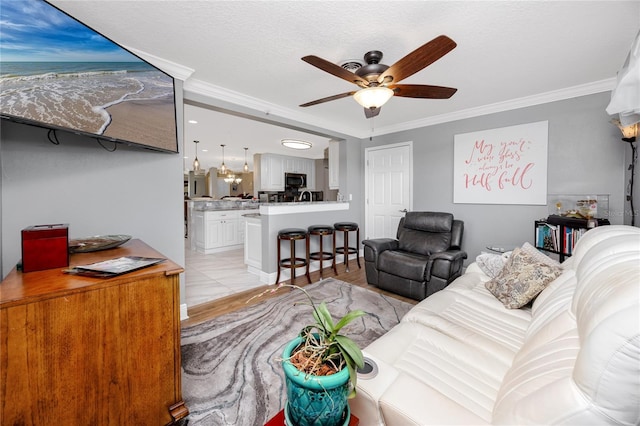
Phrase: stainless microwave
(295, 180)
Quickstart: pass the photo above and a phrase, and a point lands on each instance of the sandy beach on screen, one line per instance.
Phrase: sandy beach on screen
(150, 122)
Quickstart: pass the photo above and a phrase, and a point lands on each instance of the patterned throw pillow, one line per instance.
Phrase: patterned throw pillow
(523, 277)
(538, 256)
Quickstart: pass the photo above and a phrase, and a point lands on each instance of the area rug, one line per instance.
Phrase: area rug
(231, 374)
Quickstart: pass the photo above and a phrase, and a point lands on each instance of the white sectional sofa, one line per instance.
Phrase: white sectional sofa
(571, 357)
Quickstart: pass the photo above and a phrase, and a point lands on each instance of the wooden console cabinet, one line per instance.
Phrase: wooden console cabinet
(92, 351)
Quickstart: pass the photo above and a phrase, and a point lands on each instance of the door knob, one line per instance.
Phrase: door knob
(403, 211)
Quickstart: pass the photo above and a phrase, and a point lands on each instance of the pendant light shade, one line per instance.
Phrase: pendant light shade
(246, 166)
(196, 163)
(373, 97)
(223, 168)
(629, 133)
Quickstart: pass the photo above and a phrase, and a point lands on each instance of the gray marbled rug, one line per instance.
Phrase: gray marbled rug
(230, 369)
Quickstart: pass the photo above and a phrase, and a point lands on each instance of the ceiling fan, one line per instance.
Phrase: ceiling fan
(379, 82)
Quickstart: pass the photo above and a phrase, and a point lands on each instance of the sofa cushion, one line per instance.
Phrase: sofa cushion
(522, 278)
(447, 368)
(407, 265)
(429, 221)
(491, 264)
(423, 243)
(425, 233)
(468, 312)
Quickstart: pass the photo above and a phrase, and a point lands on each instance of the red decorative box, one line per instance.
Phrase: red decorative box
(45, 247)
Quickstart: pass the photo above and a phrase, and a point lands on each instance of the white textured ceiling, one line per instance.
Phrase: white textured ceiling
(509, 54)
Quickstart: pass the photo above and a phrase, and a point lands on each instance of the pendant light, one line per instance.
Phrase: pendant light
(196, 163)
(246, 166)
(223, 168)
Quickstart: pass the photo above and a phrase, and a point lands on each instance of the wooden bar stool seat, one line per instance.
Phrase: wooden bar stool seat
(293, 262)
(322, 231)
(345, 249)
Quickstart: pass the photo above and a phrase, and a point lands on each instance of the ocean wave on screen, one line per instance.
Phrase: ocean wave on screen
(78, 100)
(51, 75)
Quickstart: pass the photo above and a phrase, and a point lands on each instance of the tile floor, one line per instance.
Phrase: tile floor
(211, 276)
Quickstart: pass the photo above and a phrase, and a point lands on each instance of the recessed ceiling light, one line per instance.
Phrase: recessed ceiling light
(296, 144)
(192, 122)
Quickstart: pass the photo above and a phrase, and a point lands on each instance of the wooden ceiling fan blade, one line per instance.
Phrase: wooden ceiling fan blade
(420, 58)
(371, 112)
(328, 98)
(336, 70)
(422, 91)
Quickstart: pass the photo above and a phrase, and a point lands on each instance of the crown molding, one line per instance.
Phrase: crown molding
(219, 93)
(261, 107)
(543, 98)
(177, 71)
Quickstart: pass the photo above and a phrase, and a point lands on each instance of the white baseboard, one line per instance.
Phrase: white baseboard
(183, 312)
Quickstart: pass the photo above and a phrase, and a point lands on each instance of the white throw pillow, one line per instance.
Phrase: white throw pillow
(491, 264)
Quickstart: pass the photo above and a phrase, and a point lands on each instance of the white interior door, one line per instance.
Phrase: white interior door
(389, 188)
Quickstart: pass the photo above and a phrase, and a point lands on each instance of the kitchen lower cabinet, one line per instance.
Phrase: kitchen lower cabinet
(92, 351)
(253, 243)
(219, 230)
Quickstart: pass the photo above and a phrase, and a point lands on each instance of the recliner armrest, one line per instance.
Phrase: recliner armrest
(376, 246)
(450, 256)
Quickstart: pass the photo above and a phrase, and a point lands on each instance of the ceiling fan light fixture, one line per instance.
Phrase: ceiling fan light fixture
(373, 97)
(296, 144)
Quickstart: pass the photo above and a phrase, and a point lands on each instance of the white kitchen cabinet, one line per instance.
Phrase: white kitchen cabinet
(241, 224)
(253, 243)
(305, 166)
(197, 230)
(269, 172)
(334, 165)
(216, 231)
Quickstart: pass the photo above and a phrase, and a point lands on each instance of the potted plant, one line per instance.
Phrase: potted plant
(320, 369)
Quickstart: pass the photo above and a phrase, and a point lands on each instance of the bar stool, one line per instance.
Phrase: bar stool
(346, 250)
(293, 235)
(322, 231)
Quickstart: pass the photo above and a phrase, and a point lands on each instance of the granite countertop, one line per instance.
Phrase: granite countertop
(204, 204)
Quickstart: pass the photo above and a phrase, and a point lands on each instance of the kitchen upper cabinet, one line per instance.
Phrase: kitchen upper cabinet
(302, 165)
(268, 172)
(334, 165)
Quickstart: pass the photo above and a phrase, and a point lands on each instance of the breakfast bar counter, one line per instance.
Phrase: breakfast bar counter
(276, 216)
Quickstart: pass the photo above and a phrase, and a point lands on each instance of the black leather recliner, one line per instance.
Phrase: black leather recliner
(425, 257)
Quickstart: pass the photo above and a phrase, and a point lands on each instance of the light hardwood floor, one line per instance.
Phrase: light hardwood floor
(212, 309)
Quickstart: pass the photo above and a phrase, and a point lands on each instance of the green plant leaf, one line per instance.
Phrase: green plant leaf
(323, 317)
(348, 318)
(348, 347)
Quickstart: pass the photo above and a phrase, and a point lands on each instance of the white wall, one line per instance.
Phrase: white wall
(586, 156)
(129, 191)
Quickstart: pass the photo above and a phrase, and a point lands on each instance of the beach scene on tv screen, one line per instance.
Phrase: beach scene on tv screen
(58, 72)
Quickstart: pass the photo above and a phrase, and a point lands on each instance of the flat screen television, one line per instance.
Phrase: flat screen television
(58, 73)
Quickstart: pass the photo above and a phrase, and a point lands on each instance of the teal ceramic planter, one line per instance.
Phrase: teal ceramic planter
(315, 400)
